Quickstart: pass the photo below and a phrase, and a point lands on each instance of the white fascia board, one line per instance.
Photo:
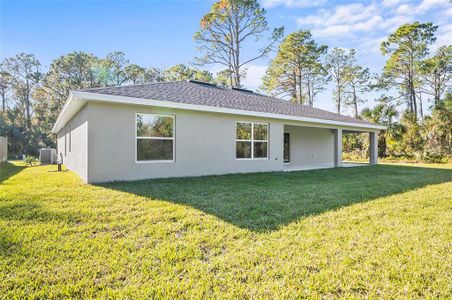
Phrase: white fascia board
(70, 109)
(82, 97)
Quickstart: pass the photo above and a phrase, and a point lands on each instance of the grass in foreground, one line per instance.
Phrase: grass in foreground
(380, 231)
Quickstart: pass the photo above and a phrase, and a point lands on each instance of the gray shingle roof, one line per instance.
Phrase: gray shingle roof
(190, 92)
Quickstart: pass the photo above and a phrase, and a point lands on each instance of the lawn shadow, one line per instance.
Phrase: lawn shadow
(28, 212)
(265, 201)
(8, 170)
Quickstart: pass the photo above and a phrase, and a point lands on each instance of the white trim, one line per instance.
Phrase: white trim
(70, 138)
(252, 140)
(77, 99)
(155, 138)
(65, 140)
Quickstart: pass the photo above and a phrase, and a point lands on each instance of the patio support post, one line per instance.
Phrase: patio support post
(337, 148)
(373, 148)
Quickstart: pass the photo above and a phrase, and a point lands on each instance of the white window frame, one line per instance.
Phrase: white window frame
(155, 138)
(252, 140)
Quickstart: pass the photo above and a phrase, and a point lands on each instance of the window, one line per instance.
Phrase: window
(154, 137)
(251, 140)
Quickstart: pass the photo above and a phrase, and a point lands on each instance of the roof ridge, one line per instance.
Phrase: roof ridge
(131, 85)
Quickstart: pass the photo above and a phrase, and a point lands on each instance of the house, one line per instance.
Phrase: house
(192, 128)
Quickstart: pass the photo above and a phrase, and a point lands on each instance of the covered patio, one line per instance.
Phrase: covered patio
(307, 147)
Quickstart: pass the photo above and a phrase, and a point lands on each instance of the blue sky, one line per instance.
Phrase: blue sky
(159, 33)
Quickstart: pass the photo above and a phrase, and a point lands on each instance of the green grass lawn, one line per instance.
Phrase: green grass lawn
(377, 231)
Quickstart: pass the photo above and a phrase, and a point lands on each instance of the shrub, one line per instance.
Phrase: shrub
(30, 160)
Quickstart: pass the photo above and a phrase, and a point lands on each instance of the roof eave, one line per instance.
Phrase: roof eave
(71, 108)
(77, 99)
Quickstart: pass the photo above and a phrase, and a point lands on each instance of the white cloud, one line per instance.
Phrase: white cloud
(448, 13)
(392, 23)
(341, 14)
(293, 3)
(443, 36)
(403, 9)
(348, 20)
(426, 5)
(421, 8)
(391, 3)
(254, 74)
(372, 45)
(363, 25)
(353, 19)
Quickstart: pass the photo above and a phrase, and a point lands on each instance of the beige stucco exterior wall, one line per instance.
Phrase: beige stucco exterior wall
(75, 156)
(310, 147)
(205, 145)
(104, 144)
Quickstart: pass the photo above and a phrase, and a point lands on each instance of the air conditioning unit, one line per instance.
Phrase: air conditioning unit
(48, 156)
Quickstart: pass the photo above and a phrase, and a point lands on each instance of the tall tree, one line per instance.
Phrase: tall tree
(224, 30)
(154, 75)
(5, 86)
(357, 82)
(438, 128)
(134, 73)
(178, 72)
(113, 68)
(315, 80)
(73, 71)
(184, 72)
(406, 48)
(384, 114)
(224, 78)
(337, 63)
(296, 71)
(25, 72)
(436, 73)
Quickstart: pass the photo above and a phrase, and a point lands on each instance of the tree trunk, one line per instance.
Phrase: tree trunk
(27, 106)
(338, 104)
(437, 91)
(420, 107)
(3, 102)
(381, 144)
(355, 102)
(237, 54)
(300, 94)
(413, 99)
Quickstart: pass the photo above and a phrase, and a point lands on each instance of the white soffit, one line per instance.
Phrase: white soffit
(77, 99)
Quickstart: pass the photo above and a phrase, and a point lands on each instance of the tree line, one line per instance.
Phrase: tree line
(32, 98)
(301, 69)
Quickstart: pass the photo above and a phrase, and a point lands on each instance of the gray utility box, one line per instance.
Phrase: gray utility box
(48, 156)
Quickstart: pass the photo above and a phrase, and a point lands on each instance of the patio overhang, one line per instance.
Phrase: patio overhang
(328, 143)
